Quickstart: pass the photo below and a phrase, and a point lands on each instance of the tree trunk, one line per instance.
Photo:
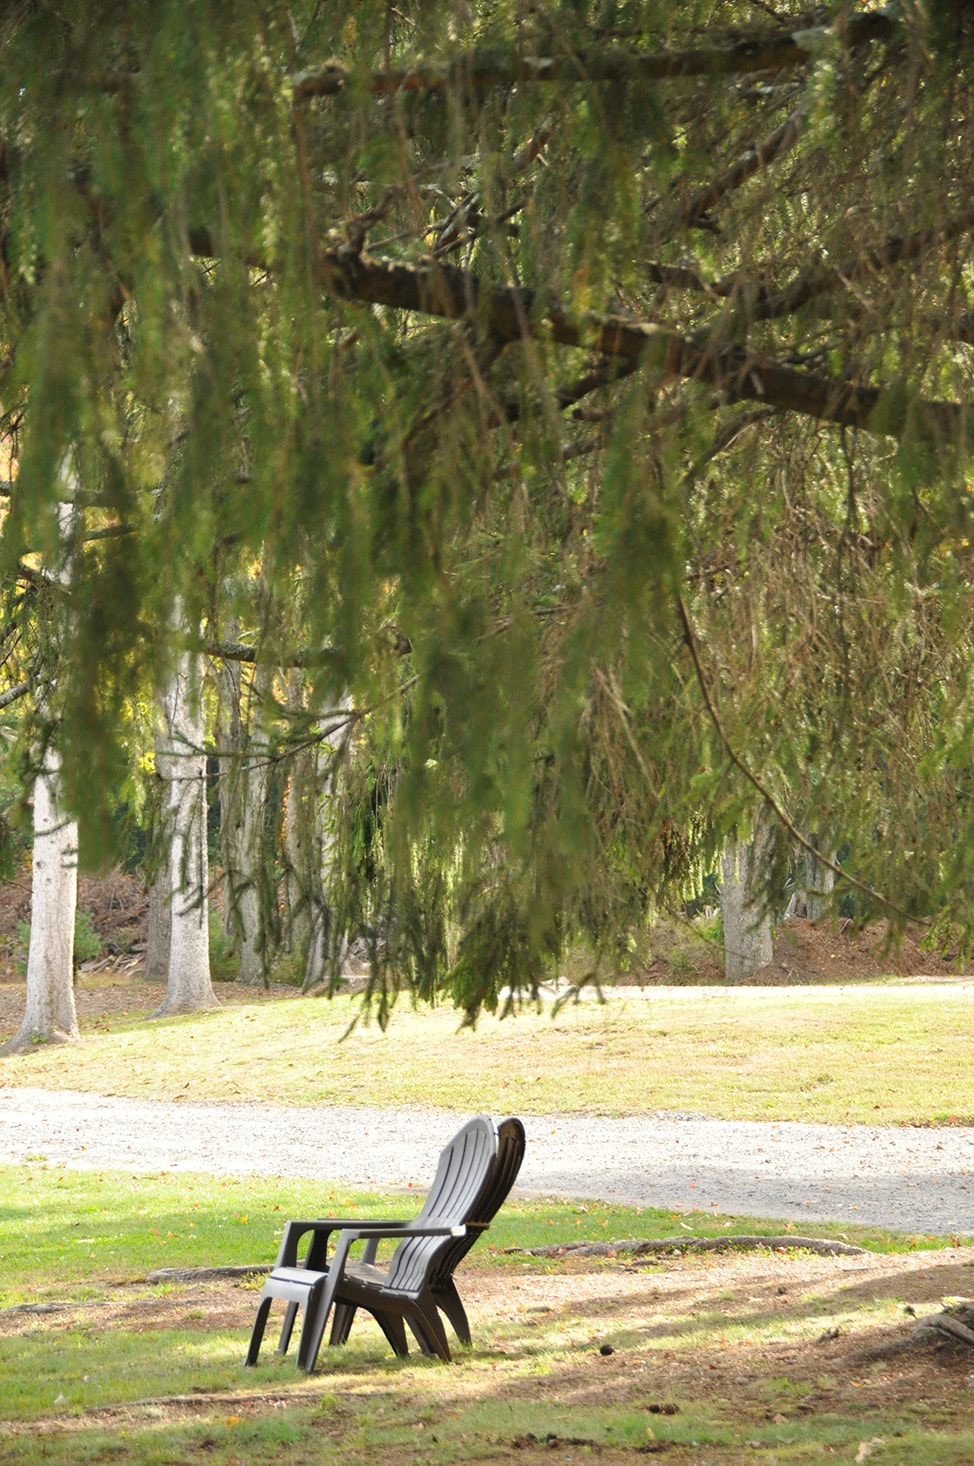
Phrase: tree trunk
(747, 927)
(302, 871)
(159, 926)
(813, 896)
(323, 843)
(183, 766)
(243, 808)
(50, 1015)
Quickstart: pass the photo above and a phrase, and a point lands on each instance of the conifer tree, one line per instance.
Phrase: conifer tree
(594, 376)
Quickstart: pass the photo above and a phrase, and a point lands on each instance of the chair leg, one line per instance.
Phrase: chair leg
(424, 1344)
(257, 1333)
(342, 1320)
(287, 1328)
(424, 1320)
(394, 1329)
(448, 1299)
(314, 1325)
(316, 1313)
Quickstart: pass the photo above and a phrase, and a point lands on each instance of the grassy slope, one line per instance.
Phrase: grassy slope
(869, 1054)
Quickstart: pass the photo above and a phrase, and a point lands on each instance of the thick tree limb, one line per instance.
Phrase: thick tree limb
(14, 694)
(238, 651)
(777, 50)
(759, 155)
(509, 313)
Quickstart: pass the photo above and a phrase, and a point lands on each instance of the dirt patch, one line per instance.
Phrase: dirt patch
(804, 952)
(116, 907)
(759, 1342)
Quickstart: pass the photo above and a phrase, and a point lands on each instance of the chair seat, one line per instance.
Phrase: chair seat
(475, 1173)
(367, 1274)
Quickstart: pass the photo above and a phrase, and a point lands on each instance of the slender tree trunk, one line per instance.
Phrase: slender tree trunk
(243, 811)
(302, 871)
(188, 987)
(229, 738)
(50, 1015)
(320, 954)
(747, 927)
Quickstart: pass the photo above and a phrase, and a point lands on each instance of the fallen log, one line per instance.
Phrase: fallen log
(641, 1247)
(195, 1274)
(952, 1325)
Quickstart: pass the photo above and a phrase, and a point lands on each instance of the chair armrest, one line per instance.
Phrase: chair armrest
(322, 1227)
(358, 1234)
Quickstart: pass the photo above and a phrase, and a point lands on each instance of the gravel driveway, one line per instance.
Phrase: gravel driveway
(919, 1180)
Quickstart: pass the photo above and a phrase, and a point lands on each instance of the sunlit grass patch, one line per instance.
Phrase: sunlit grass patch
(859, 1054)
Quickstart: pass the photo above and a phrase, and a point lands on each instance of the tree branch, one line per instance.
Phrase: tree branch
(895, 251)
(774, 51)
(13, 694)
(690, 640)
(510, 313)
(238, 651)
(758, 155)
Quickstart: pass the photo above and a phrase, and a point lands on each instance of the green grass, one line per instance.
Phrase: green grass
(126, 1371)
(118, 1369)
(888, 1054)
(98, 1228)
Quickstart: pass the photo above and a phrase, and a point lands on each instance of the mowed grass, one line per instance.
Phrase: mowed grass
(67, 1233)
(706, 1360)
(880, 1053)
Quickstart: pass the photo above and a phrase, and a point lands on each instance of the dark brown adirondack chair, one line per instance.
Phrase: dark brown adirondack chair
(405, 1289)
(442, 1288)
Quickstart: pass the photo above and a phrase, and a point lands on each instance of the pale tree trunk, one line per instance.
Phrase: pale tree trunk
(50, 1015)
(816, 882)
(326, 783)
(188, 986)
(747, 926)
(302, 870)
(247, 813)
(229, 739)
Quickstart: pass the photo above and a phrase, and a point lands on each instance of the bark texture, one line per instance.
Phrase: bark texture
(747, 926)
(188, 986)
(50, 1011)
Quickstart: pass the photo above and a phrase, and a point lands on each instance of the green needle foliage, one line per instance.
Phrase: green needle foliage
(577, 391)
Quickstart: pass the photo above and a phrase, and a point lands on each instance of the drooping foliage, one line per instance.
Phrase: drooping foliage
(585, 387)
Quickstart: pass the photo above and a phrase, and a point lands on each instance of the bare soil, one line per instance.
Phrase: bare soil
(804, 952)
(758, 1341)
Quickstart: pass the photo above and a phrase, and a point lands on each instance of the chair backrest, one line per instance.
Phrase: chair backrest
(494, 1192)
(464, 1168)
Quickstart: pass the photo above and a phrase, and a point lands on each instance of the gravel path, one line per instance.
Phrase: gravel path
(919, 1180)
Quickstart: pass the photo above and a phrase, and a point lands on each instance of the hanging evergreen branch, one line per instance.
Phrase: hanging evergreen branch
(761, 787)
(776, 51)
(509, 313)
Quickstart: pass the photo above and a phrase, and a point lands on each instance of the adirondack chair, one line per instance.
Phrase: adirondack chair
(442, 1288)
(404, 1294)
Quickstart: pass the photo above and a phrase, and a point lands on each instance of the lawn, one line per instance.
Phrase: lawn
(776, 1355)
(877, 1053)
(700, 1358)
